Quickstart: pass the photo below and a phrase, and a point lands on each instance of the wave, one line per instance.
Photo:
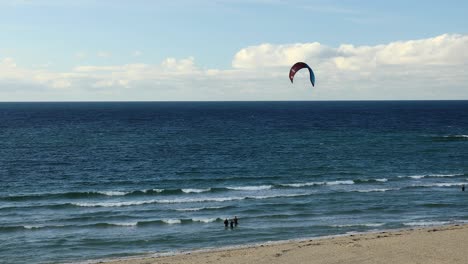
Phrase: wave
(124, 224)
(29, 207)
(67, 195)
(299, 185)
(381, 180)
(114, 204)
(434, 185)
(161, 192)
(445, 175)
(417, 177)
(205, 220)
(427, 223)
(200, 220)
(367, 181)
(250, 188)
(194, 199)
(102, 194)
(226, 199)
(195, 190)
(340, 182)
(179, 221)
(43, 196)
(378, 190)
(441, 184)
(172, 221)
(112, 193)
(202, 208)
(429, 185)
(29, 227)
(307, 184)
(183, 200)
(112, 224)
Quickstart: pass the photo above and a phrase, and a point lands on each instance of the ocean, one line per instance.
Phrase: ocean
(89, 181)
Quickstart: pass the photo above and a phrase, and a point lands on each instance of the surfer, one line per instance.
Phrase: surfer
(226, 223)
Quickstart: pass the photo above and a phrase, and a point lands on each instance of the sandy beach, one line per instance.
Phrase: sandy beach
(443, 244)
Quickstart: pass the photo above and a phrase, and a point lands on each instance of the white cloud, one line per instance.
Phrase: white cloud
(433, 68)
(28, 83)
(96, 69)
(179, 66)
(268, 55)
(441, 50)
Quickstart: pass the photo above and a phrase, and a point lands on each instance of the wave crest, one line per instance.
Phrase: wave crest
(196, 190)
(250, 188)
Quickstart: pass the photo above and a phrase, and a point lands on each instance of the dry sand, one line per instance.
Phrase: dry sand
(446, 244)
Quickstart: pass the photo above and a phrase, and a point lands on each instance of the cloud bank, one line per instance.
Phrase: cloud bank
(441, 50)
(433, 68)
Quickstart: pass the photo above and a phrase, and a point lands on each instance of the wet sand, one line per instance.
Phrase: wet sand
(443, 244)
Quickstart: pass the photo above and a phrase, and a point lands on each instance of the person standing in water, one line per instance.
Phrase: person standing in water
(463, 187)
(226, 223)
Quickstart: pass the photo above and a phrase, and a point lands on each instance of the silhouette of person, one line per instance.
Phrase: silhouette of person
(232, 224)
(235, 220)
(226, 223)
(463, 187)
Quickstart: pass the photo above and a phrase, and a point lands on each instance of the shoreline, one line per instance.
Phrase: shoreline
(449, 241)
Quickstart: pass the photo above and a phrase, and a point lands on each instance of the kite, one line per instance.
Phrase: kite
(301, 65)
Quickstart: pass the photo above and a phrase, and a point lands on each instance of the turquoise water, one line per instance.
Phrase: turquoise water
(82, 181)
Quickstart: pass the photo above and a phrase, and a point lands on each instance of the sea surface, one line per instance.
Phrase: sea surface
(87, 181)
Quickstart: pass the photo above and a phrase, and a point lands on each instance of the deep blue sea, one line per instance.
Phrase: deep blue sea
(86, 181)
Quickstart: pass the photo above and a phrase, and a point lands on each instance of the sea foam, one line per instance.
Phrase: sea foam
(196, 190)
(250, 188)
(172, 221)
(184, 200)
(113, 193)
(306, 184)
(378, 190)
(426, 223)
(417, 177)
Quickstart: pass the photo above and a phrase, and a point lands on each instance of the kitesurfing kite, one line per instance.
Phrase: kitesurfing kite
(300, 65)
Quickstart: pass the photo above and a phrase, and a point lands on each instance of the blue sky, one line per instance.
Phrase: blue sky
(125, 44)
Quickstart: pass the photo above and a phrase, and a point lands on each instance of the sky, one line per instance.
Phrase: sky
(232, 50)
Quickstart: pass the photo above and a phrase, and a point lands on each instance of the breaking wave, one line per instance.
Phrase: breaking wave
(250, 188)
(183, 200)
(417, 177)
(427, 223)
(196, 190)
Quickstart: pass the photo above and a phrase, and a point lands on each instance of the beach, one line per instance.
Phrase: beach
(441, 244)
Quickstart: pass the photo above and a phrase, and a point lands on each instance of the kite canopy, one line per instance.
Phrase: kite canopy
(300, 65)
